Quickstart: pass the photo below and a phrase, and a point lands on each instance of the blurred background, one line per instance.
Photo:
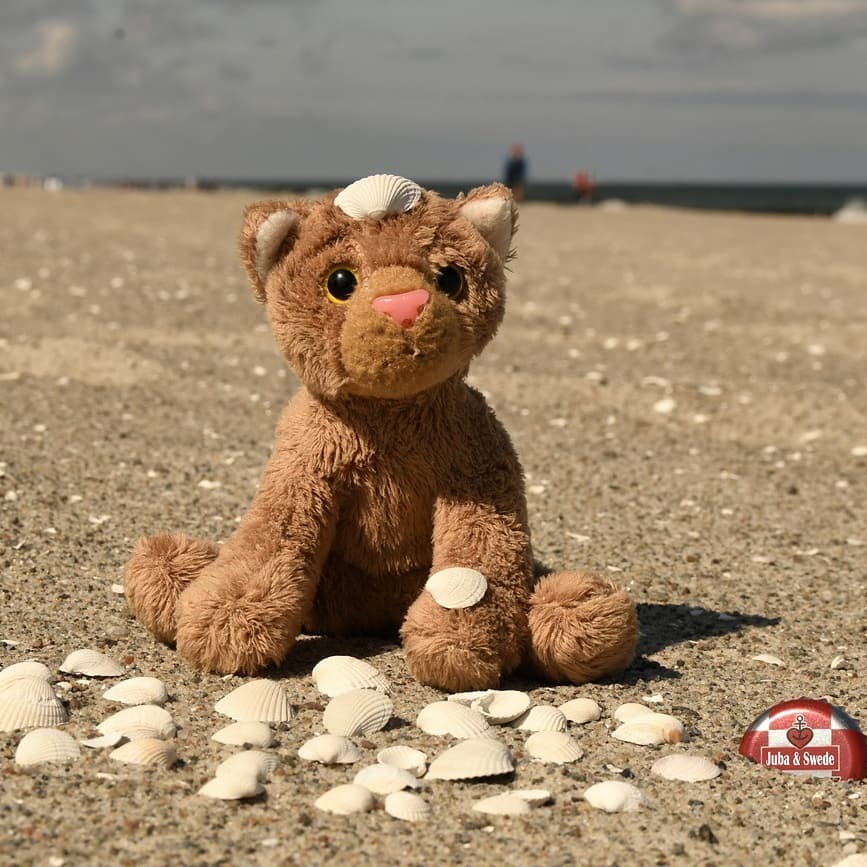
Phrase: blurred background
(755, 104)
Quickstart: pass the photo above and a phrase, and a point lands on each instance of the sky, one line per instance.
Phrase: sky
(751, 90)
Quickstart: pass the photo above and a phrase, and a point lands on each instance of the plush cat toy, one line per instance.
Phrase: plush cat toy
(387, 467)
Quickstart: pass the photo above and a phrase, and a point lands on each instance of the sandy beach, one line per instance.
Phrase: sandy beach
(687, 394)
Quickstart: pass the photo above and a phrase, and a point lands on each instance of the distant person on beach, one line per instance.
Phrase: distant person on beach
(515, 173)
(582, 183)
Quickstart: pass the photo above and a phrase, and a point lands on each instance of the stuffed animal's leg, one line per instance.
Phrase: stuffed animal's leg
(582, 628)
(160, 569)
(471, 648)
(245, 610)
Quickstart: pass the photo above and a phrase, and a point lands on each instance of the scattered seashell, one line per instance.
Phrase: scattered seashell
(641, 733)
(839, 662)
(467, 698)
(505, 804)
(631, 711)
(407, 806)
(769, 659)
(138, 690)
(502, 705)
(541, 718)
(581, 710)
(357, 712)
(257, 701)
(451, 718)
(140, 721)
(23, 713)
(91, 663)
(28, 668)
(615, 796)
(555, 747)
(232, 788)
(329, 750)
(245, 734)
(378, 195)
(385, 779)
(338, 674)
(146, 751)
(471, 759)
(689, 769)
(457, 587)
(534, 797)
(406, 758)
(672, 728)
(26, 687)
(345, 799)
(46, 745)
(255, 763)
(112, 739)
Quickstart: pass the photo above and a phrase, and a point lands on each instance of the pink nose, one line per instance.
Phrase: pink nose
(404, 307)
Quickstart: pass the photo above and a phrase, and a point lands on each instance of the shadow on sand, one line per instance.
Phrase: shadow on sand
(662, 626)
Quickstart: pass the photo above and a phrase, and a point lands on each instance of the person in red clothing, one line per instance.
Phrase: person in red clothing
(583, 186)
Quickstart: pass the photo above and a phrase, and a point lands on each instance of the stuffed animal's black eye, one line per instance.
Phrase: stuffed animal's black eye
(450, 281)
(340, 284)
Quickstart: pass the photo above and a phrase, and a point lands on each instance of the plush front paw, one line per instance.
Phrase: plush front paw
(461, 649)
(227, 633)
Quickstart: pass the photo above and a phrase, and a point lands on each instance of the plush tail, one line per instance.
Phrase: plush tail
(582, 628)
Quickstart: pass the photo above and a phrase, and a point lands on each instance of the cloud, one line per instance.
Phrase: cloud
(52, 53)
(742, 27)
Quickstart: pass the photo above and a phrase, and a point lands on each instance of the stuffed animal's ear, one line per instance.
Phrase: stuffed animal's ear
(268, 229)
(492, 211)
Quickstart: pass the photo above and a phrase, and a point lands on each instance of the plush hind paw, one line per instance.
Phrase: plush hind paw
(160, 569)
(582, 628)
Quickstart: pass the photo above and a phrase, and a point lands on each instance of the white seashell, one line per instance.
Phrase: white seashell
(672, 728)
(338, 674)
(689, 769)
(468, 698)
(556, 747)
(257, 701)
(378, 195)
(46, 745)
(26, 687)
(358, 712)
(28, 668)
(641, 733)
(541, 718)
(471, 759)
(345, 799)
(500, 706)
(232, 788)
(630, 711)
(581, 710)
(91, 663)
(329, 750)
(112, 739)
(407, 806)
(614, 796)
(146, 751)
(245, 734)
(534, 797)
(406, 758)
(22, 713)
(138, 690)
(451, 718)
(457, 587)
(255, 763)
(385, 779)
(769, 659)
(505, 804)
(134, 723)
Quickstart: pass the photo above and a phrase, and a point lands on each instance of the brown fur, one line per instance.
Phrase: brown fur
(386, 467)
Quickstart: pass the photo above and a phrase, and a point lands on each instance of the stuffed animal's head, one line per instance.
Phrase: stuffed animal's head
(384, 289)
